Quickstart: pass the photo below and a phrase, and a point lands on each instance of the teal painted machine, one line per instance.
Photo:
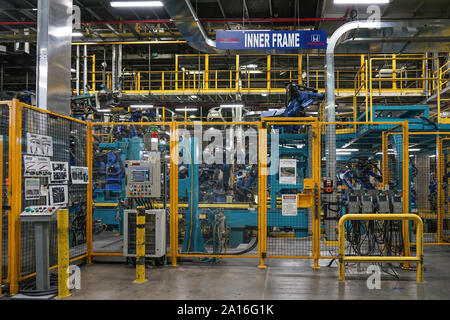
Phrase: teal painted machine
(109, 191)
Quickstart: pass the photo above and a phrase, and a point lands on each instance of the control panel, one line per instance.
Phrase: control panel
(367, 202)
(144, 177)
(39, 213)
(397, 202)
(354, 202)
(383, 199)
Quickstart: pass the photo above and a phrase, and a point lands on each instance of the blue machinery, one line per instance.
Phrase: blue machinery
(109, 168)
(235, 225)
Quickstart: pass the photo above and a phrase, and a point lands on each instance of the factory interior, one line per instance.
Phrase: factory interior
(224, 150)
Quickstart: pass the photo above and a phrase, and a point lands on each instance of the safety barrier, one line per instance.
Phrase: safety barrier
(418, 259)
(69, 141)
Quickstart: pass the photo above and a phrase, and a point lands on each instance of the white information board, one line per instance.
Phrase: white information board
(288, 171)
(289, 205)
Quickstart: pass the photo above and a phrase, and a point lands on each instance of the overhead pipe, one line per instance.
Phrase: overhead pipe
(156, 21)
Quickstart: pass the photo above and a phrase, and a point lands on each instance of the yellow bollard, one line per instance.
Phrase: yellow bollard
(140, 245)
(63, 253)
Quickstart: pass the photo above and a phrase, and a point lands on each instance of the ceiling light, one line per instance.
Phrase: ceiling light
(347, 150)
(186, 109)
(191, 116)
(414, 149)
(193, 96)
(125, 4)
(432, 156)
(264, 94)
(144, 106)
(343, 153)
(231, 105)
(77, 34)
(104, 110)
(360, 1)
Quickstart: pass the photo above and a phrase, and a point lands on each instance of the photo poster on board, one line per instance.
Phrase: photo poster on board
(60, 171)
(39, 145)
(288, 171)
(58, 194)
(32, 188)
(36, 166)
(79, 175)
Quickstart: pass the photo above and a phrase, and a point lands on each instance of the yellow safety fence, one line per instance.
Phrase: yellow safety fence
(24, 119)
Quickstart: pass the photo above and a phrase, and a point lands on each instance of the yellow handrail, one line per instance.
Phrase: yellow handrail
(381, 216)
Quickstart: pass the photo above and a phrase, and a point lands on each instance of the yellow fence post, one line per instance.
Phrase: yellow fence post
(341, 235)
(140, 245)
(316, 141)
(63, 253)
(93, 72)
(419, 249)
(440, 190)
(174, 192)
(262, 195)
(15, 194)
(89, 204)
(405, 180)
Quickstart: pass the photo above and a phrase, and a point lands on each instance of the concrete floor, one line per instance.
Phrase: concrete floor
(236, 279)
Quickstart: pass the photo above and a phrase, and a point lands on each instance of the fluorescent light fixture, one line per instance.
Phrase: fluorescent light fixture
(77, 34)
(414, 149)
(343, 153)
(128, 4)
(361, 1)
(193, 96)
(35, 9)
(231, 105)
(264, 94)
(251, 71)
(432, 156)
(73, 70)
(104, 110)
(191, 116)
(144, 106)
(186, 109)
(347, 150)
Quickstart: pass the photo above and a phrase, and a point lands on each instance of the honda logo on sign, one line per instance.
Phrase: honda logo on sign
(315, 38)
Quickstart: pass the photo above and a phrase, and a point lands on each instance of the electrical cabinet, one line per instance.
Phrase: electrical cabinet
(155, 233)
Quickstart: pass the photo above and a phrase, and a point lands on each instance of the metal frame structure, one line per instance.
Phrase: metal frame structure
(310, 198)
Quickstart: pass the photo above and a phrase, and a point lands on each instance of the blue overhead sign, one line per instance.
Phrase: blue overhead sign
(253, 39)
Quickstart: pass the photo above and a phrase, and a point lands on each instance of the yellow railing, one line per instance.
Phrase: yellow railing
(379, 259)
(266, 77)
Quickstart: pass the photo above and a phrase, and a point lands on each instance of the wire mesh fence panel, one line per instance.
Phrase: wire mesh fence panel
(289, 228)
(4, 134)
(51, 145)
(218, 188)
(364, 181)
(424, 183)
(115, 147)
